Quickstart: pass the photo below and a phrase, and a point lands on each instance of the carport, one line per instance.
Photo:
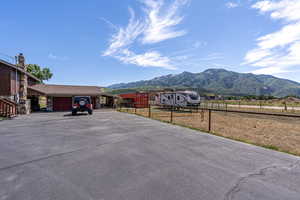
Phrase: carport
(59, 97)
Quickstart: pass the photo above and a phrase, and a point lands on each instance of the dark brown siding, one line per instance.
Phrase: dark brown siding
(15, 85)
(5, 83)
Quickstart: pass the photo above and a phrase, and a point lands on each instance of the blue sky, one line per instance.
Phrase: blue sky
(100, 42)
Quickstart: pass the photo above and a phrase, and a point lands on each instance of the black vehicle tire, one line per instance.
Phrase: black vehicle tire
(90, 112)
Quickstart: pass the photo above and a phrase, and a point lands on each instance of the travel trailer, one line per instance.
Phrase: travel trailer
(178, 99)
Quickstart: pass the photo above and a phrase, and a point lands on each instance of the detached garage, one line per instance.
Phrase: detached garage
(60, 97)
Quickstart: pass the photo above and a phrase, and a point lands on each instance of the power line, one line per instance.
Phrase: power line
(7, 58)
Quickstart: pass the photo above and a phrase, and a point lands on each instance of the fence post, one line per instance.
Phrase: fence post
(134, 105)
(149, 111)
(171, 114)
(285, 106)
(260, 104)
(209, 120)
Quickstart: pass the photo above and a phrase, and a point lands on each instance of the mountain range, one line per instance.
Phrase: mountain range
(220, 81)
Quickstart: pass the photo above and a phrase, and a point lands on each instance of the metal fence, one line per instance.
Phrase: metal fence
(274, 130)
(286, 107)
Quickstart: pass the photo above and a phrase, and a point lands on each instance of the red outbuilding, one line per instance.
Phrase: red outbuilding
(137, 100)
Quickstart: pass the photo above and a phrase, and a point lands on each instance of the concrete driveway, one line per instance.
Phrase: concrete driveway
(111, 156)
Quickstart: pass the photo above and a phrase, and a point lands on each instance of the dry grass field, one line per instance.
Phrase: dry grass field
(290, 104)
(253, 108)
(278, 133)
(289, 101)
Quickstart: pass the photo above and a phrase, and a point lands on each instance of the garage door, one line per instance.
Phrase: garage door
(62, 103)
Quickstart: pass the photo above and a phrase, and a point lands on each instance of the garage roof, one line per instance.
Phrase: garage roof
(68, 90)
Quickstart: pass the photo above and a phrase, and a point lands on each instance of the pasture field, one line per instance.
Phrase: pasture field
(278, 133)
(290, 102)
(255, 106)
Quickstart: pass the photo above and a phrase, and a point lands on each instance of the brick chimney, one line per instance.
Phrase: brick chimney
(21, 61)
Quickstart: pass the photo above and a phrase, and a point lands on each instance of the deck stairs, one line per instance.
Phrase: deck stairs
(8, 109)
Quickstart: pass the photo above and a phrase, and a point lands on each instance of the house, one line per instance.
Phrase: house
(14, 80)
(26, 91)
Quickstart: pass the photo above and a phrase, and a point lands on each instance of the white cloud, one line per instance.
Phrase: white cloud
(278, 52)
(55, 57)
(231, 5)
(160, 26)
(157, 25)
(109, 23)
(125, 36)
(151, 58)
(199, 44)
(283, 9)
(270, 70)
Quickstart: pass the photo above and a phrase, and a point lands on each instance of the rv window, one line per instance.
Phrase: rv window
(194, 96)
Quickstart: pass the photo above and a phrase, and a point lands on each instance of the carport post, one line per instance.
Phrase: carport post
(209, 120)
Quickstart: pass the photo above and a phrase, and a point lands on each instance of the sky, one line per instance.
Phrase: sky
(101, 42)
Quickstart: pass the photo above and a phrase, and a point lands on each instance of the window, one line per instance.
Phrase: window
(178, 98)
(78, 99)
(194, 96)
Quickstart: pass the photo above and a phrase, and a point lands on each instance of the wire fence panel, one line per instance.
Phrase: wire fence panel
(198, 120)
(142, 112)
(161, 114)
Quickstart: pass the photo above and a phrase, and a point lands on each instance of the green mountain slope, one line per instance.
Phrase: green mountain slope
(221, 81)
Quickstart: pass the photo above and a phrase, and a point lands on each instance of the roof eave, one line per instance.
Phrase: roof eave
(19, 69)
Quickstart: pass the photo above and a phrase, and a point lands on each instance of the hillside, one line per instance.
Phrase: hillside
(221, 81)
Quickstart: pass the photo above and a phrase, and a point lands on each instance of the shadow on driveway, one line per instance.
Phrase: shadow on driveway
(70, 115)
